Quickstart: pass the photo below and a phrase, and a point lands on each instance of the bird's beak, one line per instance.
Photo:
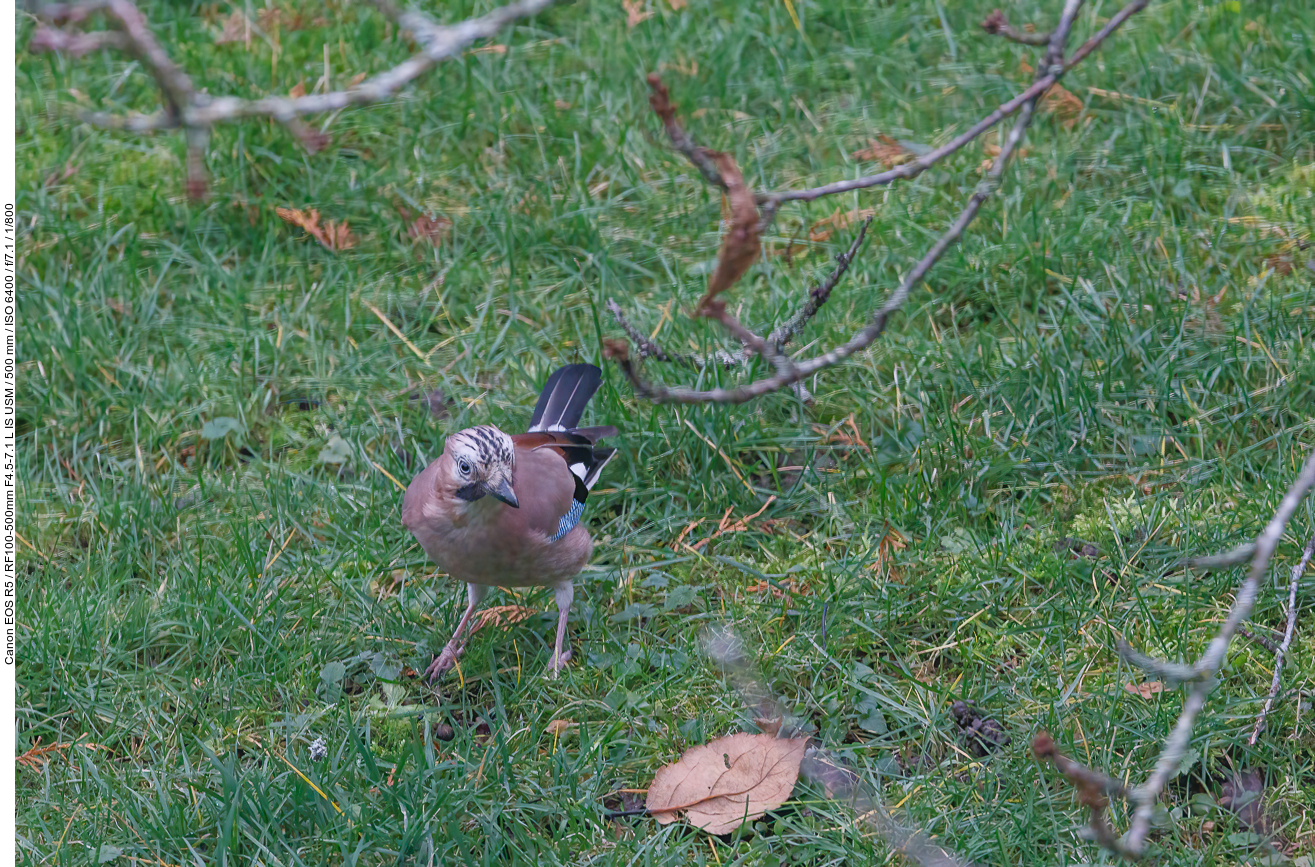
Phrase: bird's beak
(502, 491)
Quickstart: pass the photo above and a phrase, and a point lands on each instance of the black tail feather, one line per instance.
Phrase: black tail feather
(562, 401)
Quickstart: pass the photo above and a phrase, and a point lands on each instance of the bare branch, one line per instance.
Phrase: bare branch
(803, 369)
(789, 372)
(1282, 649)
(197, 112)
(1147, 795)
(997, 24)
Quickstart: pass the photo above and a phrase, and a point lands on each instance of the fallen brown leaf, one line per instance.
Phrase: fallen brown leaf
(677, 5)
(720, 785)
(496, 48)
(356, 79)
(431, 229)
(740, 245)
(1146, 689)
(883, 149)
(559, 727)
(726, 526)
(298, 90)
(236, 28)
(635, 13)
(332, 236)
(823, 228)
(502, 615)
(1061, 102)
(562, 105)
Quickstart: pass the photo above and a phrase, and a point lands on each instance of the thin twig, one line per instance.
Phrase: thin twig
(819, 294)
(196, 112)
(1093, 787)
(1267, 643)
(1282, 649)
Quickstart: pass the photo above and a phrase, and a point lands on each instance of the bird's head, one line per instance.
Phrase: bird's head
(483, 461)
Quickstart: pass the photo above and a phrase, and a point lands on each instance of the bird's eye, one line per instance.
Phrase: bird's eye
(464, 466)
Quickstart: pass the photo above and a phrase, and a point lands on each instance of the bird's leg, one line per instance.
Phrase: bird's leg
(565, 593)
(448, 657)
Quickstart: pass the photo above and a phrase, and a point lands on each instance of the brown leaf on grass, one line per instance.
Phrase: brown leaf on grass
(740, 245)
(430, 229)
(726, 526)
(885, 150)
(823, 228)
(559, 727)
(502, 616)
(496, 48)
(720, 785)
(236, 28)
(356, 79)
(298, 89)
(635, 14)
(1146, 689)
(60, 175)
(561, 104)
(1062, 103)
(677, 5)
(333, 235)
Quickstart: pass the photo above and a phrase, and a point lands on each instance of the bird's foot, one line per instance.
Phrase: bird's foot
(444, 661)
(558, 662)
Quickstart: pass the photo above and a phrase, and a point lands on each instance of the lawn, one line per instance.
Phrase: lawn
(1112, 372)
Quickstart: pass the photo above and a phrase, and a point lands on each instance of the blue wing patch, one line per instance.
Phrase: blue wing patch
(569, 520)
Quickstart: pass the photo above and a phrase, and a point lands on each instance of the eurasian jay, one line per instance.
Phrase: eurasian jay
(504, 511)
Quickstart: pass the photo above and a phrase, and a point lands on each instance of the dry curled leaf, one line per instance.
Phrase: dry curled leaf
(502, 615)
(677, 5)
(720, 785)
(236, 28)
(430, 229)
(635, 13)
(332, 235)
(885, 150)
(1145, 690)
(823, 228)
(559, 727)
(298, 90)
(740, 245)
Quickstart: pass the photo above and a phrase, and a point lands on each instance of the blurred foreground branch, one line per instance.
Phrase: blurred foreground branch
(826, 771)
(741, 244)
(1202, 677)
(196, 112)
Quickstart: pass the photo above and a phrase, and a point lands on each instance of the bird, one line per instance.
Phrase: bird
(504, 510)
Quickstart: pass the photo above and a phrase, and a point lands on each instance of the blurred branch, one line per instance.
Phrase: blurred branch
(717, 169)
(828, 772)
(1202, 674)
(196, 112)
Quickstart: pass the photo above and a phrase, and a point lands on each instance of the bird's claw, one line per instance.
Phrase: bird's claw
(558, 662)
(443, 662)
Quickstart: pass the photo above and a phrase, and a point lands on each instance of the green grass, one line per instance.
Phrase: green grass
(181, 596)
